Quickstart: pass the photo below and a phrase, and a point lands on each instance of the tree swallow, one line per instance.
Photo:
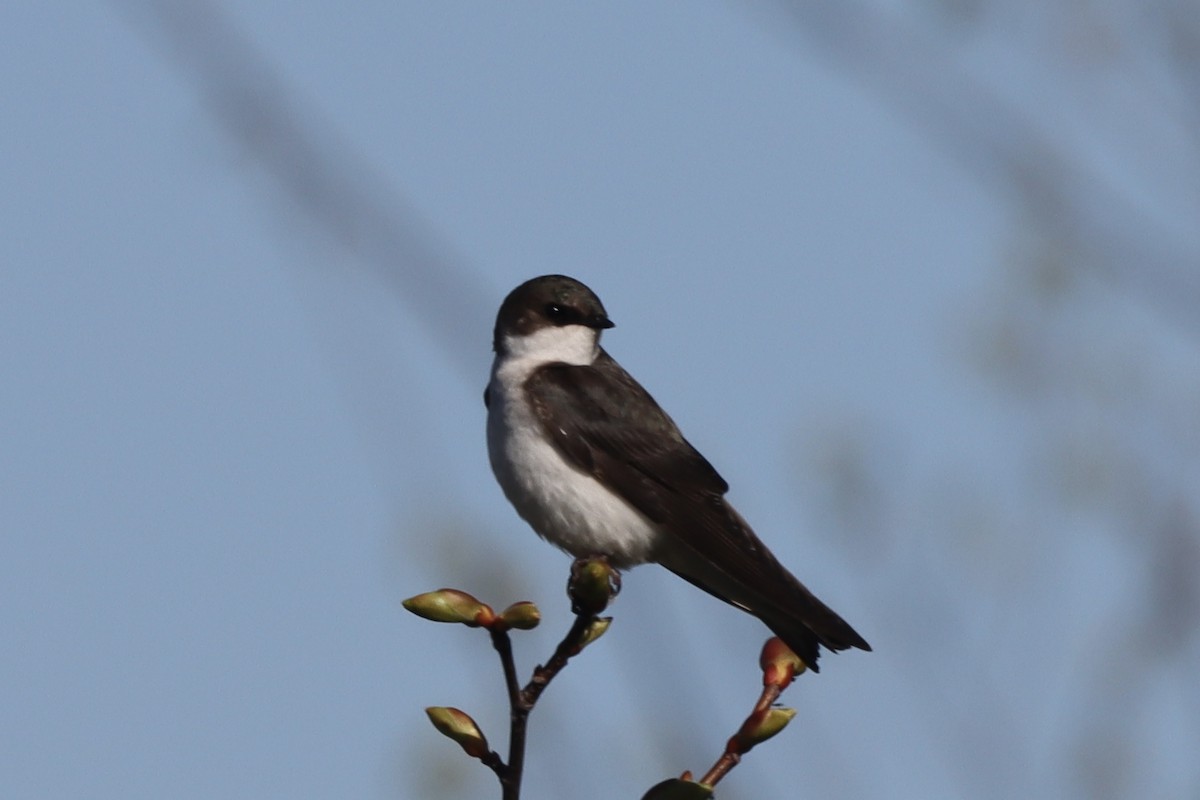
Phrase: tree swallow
(591, 462)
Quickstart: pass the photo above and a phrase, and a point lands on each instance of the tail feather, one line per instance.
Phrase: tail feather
(817, 624)
(797, 617)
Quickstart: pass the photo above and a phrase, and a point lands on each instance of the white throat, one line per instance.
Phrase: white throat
(577, 345)
(563, 503)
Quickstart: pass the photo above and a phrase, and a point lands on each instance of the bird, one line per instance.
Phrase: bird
(595, 466)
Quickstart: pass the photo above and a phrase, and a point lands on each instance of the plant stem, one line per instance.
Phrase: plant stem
(510, 773)
(521, 701)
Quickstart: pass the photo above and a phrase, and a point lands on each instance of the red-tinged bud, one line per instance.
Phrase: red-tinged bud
(779, 664)
(523, 616)
(758, 727)
(451, 605)
(459, 726)
(593, 584)
(678, 789)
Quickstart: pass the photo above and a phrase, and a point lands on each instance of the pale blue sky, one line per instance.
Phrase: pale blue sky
(231, 449)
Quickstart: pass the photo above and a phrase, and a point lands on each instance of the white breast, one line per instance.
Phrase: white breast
(564, 505)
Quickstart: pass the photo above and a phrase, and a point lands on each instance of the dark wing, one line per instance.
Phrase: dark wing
(637, 451)
(632, 447)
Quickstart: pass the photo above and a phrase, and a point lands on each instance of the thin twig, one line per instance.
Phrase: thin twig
(780, 667)
(510, 773)
(567, 648)
(521, 701)
(730, 758)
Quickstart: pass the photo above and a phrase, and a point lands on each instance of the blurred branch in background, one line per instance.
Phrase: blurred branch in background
(345, 219)
(315, 172)
(346, 208)
(919, 63)
(1092, 334)
(1083, 119)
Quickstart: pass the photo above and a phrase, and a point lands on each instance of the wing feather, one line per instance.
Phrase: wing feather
(638, 452)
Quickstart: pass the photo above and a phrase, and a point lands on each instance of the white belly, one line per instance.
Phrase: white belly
(564, 505)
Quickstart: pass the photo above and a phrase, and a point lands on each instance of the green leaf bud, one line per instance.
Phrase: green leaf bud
(450, 605)
(459, 726)
(523, 616)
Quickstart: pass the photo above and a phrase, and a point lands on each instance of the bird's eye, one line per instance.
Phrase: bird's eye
(559, 314)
